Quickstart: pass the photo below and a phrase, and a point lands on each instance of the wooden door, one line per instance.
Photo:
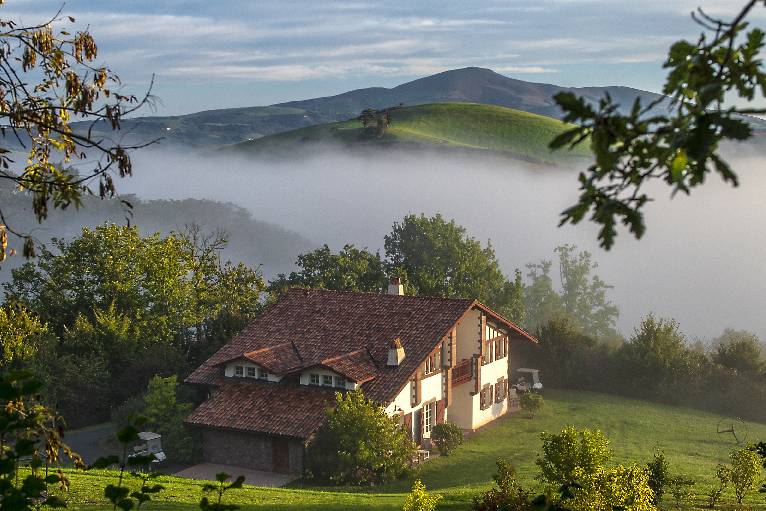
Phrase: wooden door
(280, 455)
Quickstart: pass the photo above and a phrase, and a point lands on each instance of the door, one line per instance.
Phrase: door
(280, 455)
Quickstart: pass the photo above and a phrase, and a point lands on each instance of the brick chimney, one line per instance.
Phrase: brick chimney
(395, 353)
(395, 286)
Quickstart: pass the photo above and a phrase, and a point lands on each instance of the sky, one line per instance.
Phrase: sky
(231, 53)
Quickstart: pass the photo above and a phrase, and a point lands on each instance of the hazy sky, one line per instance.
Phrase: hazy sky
(230, 53)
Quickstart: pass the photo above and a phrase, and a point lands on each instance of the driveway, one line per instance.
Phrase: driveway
(207, 471)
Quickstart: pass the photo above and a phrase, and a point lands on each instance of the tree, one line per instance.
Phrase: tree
(543, 304)
(133, 307)
(680, 487)
(358, 443)
(744, 472)
(165, 414)
(419, 499)
(351, 269)
(739, 350)
(438, 258)
(572, 456)
(656, 357)
(582, 298)
(680, 147)
(50, 78)
(565, 354)
(22, 336)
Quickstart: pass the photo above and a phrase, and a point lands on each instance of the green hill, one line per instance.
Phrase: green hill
(636, 428)
(465, 126)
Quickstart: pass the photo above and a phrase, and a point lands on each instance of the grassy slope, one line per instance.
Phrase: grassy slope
(636, 429)
(454, 125)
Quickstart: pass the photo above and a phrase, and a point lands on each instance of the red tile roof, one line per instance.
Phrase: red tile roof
(279, 359)
(357, 366)
(347, 332)
(260, 407)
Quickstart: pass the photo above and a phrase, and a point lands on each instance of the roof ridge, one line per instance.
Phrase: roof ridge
(370, 293)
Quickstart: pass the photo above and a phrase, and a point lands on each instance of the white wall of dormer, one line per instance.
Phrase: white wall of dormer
(321, 371)
(230, 371)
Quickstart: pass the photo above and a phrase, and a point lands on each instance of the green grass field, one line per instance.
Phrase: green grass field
(465, 126)
(636, 428)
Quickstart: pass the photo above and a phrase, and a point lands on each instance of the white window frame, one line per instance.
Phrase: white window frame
(325, 383)
(314, 379)
(340, 382)
(262, 374)
(239, 371)
(252, 372)
(429, 416)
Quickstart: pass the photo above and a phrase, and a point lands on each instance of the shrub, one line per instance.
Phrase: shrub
(531, 403)
(419, 499)
(446, 437)
(625, 488)
(658, 476)
(680, 488)
(722, 474)
(358, 444)
(572, 455)
(744, 473)
(507, 495)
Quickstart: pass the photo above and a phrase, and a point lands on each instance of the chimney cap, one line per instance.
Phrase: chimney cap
(396, 343)
(394, 280)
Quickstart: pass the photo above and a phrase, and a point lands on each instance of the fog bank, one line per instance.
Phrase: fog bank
(701, 261)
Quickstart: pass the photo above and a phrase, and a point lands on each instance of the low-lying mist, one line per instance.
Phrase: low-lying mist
(701, 261)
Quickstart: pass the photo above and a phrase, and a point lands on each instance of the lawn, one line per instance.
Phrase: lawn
(637, 429)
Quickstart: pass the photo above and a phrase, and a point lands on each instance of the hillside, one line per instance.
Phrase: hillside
(252, 241)
(637, 429)
(468, 85)
(461, 126)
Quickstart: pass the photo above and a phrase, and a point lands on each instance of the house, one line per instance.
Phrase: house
(426, 359)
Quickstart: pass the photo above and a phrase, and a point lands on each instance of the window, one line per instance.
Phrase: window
(429, 416)
(263, 375)
(501, 390)
(485, 397)
(251, 372)
(314, 379)
(327, 380)
(239, 371)
(432, 363)
(340, 382)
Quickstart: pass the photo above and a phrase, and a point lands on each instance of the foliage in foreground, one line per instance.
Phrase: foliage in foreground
(358, 443)
(677, 144)
(419, 499)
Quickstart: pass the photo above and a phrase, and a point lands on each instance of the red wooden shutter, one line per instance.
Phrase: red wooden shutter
(422, 417)
(440, 406)
(408, 424)
(477, 384)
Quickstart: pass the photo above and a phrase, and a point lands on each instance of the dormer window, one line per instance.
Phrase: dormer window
(340, 382)
(327, 380)
(263, 375)
(314, 379)
(251, 372)
(239, 371)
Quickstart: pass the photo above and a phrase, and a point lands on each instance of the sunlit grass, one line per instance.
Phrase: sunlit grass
(636, 428)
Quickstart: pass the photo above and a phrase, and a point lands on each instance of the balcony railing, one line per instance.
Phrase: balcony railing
(461, 373)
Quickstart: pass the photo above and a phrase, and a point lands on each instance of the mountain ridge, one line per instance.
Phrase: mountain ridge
(220, 127)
